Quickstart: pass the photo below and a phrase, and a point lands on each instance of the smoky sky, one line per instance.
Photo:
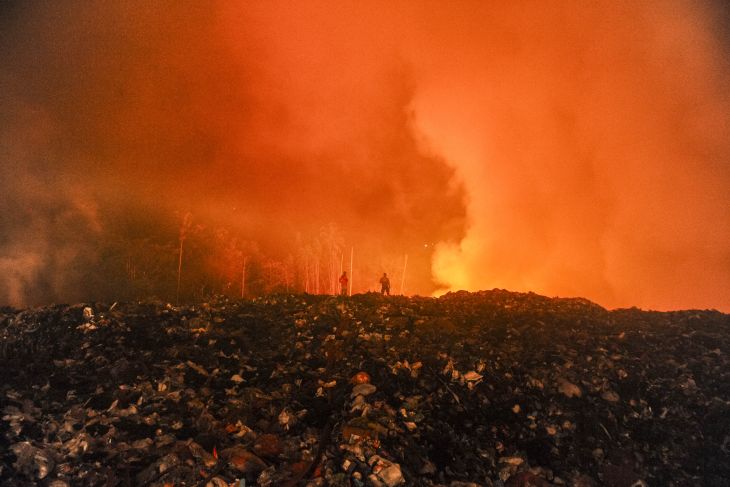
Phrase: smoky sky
(575, 150)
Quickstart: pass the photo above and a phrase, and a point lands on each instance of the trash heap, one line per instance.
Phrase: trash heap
(471, 389)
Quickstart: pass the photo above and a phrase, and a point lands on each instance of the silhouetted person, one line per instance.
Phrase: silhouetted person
(385, 284)
(343, 284)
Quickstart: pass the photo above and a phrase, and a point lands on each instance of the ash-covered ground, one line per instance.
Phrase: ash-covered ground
(491, 388)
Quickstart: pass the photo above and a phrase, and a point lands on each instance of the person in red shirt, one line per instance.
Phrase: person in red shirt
(343, 284)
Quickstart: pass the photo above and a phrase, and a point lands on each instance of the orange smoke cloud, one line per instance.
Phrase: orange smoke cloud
(564, 149)
(595, 154)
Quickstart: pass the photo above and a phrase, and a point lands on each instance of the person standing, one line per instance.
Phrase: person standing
(343, 284)
(385, 284)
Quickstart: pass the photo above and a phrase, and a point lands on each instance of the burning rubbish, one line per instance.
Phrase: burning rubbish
(483, 389)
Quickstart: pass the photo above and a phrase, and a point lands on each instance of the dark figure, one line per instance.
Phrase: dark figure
(385, 284)
(343, 284)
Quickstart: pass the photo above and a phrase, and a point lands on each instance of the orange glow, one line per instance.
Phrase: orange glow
(567, 149)
(361, 378)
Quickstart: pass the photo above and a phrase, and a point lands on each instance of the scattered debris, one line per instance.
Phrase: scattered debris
(470, 389)
(569, 389)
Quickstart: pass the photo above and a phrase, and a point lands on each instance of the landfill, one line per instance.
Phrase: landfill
(492, 388)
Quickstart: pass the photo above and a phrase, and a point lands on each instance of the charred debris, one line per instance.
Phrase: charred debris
(470, 389)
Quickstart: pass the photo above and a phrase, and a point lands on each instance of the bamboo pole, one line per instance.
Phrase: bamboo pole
(352, 254)
(243, 276)
(316, 277)
(179, 272)
(342, 267)
(333, 271)
(306, 272)
(403, 276)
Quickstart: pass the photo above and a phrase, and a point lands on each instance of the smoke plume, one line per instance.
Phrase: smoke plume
(575, 150)
(593, 144)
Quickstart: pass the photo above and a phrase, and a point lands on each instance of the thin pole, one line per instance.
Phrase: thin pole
(403, 277)
(342, 263)
(352, 254)
(333, 270)
(316, 277)
(179, 272)
(243, 275)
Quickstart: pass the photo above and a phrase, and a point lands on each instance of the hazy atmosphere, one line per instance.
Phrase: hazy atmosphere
(565, 148)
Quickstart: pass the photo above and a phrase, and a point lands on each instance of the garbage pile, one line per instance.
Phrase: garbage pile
(471, 389)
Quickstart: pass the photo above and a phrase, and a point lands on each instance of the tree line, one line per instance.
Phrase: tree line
(207, 260)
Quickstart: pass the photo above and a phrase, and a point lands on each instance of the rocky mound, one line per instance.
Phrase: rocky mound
(491, 388)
